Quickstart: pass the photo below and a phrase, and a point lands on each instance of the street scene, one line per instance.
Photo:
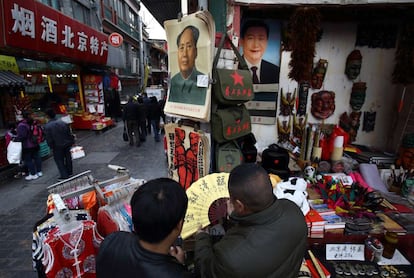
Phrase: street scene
(22, 202)
(195, 138)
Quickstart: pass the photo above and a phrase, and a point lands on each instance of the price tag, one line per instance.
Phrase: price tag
(348, 252)
(202, 81)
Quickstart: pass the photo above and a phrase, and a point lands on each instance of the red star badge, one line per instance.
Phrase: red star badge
(238, 79)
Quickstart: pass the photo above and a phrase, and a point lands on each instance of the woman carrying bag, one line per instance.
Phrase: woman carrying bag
(30, 147)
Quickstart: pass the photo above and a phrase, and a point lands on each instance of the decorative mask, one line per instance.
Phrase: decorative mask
(358, 95)
(318, 74)
(350, 124)
(303, 98)
(287, 103)
(323, 104)
(353, 64)
(283, 130)
(369, 121)
(406, 158)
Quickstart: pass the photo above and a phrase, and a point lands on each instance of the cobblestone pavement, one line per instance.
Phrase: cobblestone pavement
(23, 202)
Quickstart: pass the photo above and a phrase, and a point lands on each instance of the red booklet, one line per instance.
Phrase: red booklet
(314, 217)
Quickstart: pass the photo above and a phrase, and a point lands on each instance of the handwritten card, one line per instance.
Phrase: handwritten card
(202, 81)
(348, 252)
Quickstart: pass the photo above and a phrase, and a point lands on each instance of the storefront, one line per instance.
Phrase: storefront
(59, 63)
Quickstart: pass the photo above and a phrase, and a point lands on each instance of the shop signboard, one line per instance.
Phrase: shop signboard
(31, 25)
(115, 39)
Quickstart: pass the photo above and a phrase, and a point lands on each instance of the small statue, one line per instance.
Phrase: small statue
(287, 103)
(299, 125)
(283, 130)
(319, 73)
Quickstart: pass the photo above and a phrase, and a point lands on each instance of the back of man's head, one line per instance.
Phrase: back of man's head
(253, 23)
(157, 207)
(250, 184)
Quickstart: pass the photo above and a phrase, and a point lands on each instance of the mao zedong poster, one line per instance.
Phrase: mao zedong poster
(190, 49)
(260, 46)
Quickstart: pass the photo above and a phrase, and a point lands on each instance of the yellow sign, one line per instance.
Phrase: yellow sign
(8, 63)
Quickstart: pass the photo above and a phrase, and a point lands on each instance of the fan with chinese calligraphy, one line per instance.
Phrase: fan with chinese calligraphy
(201, 195)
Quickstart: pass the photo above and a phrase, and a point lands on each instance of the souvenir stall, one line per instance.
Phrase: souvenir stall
(93, 113)
(80, 211)
(320, 143)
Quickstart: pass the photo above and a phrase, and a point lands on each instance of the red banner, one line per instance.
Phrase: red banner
(29, 24)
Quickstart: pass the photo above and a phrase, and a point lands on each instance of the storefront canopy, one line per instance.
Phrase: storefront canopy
(10, 79)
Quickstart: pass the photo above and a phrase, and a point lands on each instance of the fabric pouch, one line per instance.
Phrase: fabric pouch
(232, 86)
(230, 123)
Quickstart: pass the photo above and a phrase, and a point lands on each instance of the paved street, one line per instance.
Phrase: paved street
(23, 202)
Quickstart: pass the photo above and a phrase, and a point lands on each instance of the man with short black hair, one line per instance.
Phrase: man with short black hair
(158, 210)
(254, 38)
(268, 239)
(184, 87)
(60, 139)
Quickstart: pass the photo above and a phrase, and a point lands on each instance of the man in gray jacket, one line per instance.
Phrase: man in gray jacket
(60, 139)
(268, 239)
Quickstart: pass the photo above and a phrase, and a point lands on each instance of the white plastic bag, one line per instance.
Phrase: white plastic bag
(14, 152)
(77, 152)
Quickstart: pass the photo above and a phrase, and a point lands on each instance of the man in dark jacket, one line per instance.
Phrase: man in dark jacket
(158, 210)
(130, 117)
(269, 236)
(60, 139)
(154, 114)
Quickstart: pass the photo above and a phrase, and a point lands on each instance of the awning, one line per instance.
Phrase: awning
(10, 79)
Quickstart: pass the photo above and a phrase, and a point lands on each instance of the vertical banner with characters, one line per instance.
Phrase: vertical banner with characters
(190, 51)
(260, 44)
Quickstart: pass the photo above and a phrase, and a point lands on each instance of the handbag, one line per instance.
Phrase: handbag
(230, 123)
(228, 156)
(77, 152)
(125, 135)
(232, 86)
(14, 152)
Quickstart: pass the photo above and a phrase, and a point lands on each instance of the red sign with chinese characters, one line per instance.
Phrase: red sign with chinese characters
(115, 39)
(31, 25)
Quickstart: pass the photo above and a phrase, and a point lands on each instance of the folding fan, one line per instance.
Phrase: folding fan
(201, 195)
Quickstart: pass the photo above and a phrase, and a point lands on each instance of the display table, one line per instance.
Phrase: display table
(91, 122)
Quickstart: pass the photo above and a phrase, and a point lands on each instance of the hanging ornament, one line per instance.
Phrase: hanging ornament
(353, 64)
(318, 74)
(302, 98)
(299, 125)
(287, 103)
(404, 57)
(350, 124)
(323, 104)
(305, 27)
(369, 121)
(358, 95)
(283, 130)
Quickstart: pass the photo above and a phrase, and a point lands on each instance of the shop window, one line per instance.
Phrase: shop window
(81, 13)
(52, 3)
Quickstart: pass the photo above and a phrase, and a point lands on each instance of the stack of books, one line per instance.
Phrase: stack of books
(315, 224)
(332, 220)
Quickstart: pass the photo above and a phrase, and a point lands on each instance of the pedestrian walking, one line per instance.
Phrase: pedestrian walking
(155, 116)
(60, 139)
(130, 118)
(30, 146)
